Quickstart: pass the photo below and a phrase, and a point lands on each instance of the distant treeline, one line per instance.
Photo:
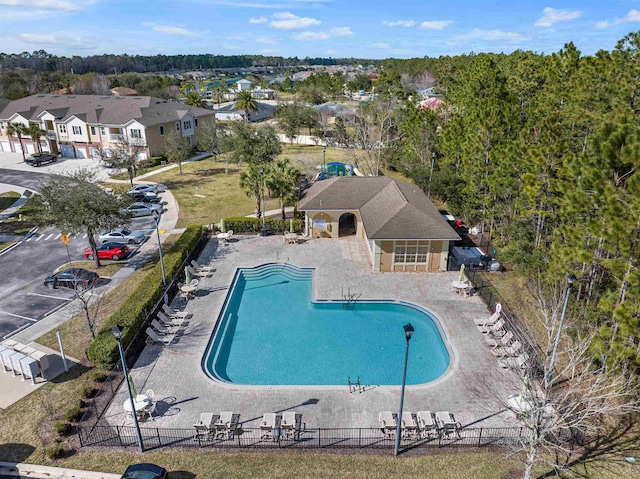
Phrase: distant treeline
(40, 61)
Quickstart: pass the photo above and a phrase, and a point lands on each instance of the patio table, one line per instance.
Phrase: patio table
(139, 402)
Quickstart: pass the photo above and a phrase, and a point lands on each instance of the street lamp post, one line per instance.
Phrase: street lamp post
(408, 331)
(570, 279)
(164, 277)
(324, 161)
(117, 332)
(433, 160)
(263, 230)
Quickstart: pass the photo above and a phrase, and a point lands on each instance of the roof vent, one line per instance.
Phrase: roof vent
(72, 96)
(41, 96)
(119, 97)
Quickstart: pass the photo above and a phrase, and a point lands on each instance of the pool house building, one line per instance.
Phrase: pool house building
(403, 230)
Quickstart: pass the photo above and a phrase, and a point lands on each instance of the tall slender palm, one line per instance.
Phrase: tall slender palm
(193, 98)
(218, 91)
(246, 102)
(36, 132)
(282, 178)
(18, 129)
(250, 181)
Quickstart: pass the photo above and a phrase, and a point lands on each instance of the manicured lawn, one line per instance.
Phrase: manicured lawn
(7, 199)
(107, 269)
(21, 222)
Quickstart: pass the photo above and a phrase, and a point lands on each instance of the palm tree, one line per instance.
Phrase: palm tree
(193, 98)
(36, 132)
(218, 91)
(18, 129)
(282, 178)
(250, 181)
(246, 102)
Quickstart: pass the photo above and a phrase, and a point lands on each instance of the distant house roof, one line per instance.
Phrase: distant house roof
(432, 103)
(333, 109)
(244, 82)
(390, 209)
(231, 107)
(123, 91)
(108, 110)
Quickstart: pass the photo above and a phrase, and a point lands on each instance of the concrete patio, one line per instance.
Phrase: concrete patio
(473, 388)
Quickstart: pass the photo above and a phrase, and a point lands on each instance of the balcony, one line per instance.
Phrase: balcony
(51, 134)
(116, 138)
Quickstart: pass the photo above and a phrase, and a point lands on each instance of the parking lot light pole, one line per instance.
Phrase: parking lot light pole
(117, 332)
(570, 279)
(164, 278)
(263, 230)
(408, 332)
(324, 162)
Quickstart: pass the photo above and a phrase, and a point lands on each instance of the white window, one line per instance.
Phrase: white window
(410, 254)
(136, 134)
(1, 125)
(102, 132)
(400, 254)
(195, 122)
(422, 254)
(161, 130)
(93, 130)
(177, 126)
(63, 129)
(77, 130)
(186, 124)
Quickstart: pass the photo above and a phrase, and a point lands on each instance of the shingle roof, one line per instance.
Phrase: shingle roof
(231, 107)
(333, 109)
(108, 110)
(390, 209)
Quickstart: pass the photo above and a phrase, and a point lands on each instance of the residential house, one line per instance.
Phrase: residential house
(123, 91)
(330, 110)
(76, 125)
(228, 112)
(403, 230)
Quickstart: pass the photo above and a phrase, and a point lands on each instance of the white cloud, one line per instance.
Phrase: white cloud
(331, 52)
(602, 25)
(231, 47)
(341, 32)
(493, 36)
(169, 30)
(269, 51)
(267, 4)
(289, 21)
(312, 36)
(632, 17)
(258, 21)
(236, 38)
(63, 5)
(553, 15)
(265, 40)
(380, 46)
(76, 42)
(399, 23)
(436, 24)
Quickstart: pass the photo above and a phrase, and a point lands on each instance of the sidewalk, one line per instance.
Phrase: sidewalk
(13, 469)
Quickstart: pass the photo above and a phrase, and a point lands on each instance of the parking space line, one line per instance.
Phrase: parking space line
(49, 296)
(18, 316)
(85, 235)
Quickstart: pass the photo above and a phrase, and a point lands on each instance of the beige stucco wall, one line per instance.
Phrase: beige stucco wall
(383, 255)
(332, 219)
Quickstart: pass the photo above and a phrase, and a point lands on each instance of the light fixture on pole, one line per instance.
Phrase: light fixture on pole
(164, 277)
(324, 161)
(117, 332)
(433, 160)
(408, 332)
(263, 230)
(570, 279)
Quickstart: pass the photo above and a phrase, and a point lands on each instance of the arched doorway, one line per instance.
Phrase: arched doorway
(347, 225)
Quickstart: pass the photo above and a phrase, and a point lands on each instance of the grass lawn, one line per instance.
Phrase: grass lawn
(16, 226)
(108, 268)
(7, 199)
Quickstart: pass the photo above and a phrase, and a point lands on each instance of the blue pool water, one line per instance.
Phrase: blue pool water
(270, 333)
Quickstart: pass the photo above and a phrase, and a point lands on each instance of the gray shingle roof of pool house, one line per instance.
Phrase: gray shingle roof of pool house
(403, 229)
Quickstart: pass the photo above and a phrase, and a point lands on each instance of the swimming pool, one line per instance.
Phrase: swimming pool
(272, 332)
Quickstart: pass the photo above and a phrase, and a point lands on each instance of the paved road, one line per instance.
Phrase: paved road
(26, 179)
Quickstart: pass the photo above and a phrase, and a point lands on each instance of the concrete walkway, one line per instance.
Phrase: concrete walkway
(13, 469)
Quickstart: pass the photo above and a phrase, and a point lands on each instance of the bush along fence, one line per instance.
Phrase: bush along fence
(241, 225)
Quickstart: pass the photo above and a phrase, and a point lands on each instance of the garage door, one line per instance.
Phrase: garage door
(16, 147)
(67, 151)
(31, 149)
(81, 152)
(4, 146)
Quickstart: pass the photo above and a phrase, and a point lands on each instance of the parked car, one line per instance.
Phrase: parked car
(144, 196)
(72, 278)
(149, 187)
(122, 235)
(41, 158)
(145, 471)
(144, 209)
(109, 250)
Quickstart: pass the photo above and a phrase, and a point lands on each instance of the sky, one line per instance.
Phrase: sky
(370, 29)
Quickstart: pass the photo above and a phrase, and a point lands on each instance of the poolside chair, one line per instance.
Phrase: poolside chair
(268, 424)
(497, 329)
(174, 313)
(198, 267)
(149, 410)
(447, 424)
(200, 274)
(409, 425)
(153, 337)
(291, 425)
(491, 319)
(226, 424)
(427, 424)
(519, 362)
(229, 235)
(388, 423)
(508, 351)
(499, 342)
(169, 322)
(163, 330)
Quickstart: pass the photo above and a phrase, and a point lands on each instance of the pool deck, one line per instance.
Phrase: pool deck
(473, 388)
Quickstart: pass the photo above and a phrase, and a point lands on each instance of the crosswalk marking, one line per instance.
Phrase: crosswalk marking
(48, 237)
(29, 238)
(39, 238)
(58, 236)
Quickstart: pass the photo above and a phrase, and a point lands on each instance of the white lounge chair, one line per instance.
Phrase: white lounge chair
(507, 351)
(426, 423)
(174, 313)
(291, 424)
(226, 424)
(153, 337)
(163, 330)
(388, 423)
(200, 273)
(499, 342)
(268, 424)
(169, 322)
(229, 235)
(409, 425)
(447, 423)
(519, 362)
(496, 329)
(198, 267)
(491, 319)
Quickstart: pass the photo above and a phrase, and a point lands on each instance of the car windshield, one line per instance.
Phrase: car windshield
(125, 232)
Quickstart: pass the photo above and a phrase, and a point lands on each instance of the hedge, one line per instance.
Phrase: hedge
(132, 314)
(252, 225)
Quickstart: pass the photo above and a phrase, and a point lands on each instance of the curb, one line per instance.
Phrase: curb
(33, 470)
(18, 243)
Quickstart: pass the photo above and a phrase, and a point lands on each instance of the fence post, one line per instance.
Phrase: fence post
(158, 434)
(480, 436)
(80, 436)
(319, 441)
(360, 437)
(119, 436)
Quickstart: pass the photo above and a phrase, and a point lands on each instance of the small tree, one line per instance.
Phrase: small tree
(74, 203)
(290, 119)
(252, 145)
(250, 181)
(193, 98)
(19, 130)
(246, 102)
(281, 179)
(209, 138)
(176, 148)
(126, 155)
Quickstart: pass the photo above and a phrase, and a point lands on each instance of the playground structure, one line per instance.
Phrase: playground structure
(333, 169)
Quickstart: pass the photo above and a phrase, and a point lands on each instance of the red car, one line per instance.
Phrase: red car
(109, 250)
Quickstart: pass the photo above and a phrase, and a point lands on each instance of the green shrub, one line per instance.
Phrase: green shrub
(73, 414)
(131, 315)
(88, 391)
(253, 225)
(54, 451)
(98, 375)
(62, 428)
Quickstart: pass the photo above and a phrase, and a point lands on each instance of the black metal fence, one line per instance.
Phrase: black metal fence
(317, 438)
